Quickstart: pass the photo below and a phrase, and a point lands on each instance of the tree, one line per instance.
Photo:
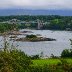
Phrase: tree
(65, 53)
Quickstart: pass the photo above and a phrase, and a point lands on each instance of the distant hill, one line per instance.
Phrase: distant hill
(6, 12)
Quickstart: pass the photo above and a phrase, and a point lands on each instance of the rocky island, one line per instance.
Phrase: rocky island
(34, 38)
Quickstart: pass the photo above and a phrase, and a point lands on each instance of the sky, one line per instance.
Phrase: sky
(36, 4)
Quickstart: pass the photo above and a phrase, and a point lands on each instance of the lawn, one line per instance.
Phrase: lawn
(41, 62)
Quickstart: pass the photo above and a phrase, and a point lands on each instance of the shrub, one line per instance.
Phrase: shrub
(66, 53)
(31, 36)
(14, 61)
(35, 57)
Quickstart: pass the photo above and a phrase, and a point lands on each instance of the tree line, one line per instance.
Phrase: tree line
(53, 22)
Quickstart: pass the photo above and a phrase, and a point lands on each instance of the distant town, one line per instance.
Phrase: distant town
(38, 22)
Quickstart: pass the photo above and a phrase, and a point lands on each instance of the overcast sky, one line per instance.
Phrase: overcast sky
(36, 4)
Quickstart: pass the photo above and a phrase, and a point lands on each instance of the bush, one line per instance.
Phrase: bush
(35, 57)
(14, 61)
(31, 36)
(66, 53)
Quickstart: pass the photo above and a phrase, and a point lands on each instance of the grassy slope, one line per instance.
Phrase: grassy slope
(49, 61)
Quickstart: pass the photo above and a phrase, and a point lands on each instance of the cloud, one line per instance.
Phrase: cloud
(36, 4)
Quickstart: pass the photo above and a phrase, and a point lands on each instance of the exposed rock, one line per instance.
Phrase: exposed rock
(35, 39)
(13, 36)
(27, 32)
(14, 33)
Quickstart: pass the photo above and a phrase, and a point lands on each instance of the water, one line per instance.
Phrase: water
(47, 47)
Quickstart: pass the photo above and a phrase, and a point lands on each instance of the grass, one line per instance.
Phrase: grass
(42, 62)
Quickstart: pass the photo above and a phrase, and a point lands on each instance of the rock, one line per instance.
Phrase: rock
(13, 36)
(35, 39)
(27, 32)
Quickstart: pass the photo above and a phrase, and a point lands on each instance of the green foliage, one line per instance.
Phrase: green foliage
(22, 26)
(41, 62)
(35, 57)
(13, 61)
(54, 22)
(31, 36)
(66, 53)
(52, 65)
(7, 27)
(34, 25)
(65, 66)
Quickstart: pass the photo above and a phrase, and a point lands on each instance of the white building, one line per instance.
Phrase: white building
(40, 24)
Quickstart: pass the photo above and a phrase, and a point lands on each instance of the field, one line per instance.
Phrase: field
(42, 62)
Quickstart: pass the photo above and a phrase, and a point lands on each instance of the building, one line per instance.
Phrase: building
(40, 24)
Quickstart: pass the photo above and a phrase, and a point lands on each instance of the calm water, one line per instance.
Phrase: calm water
(47, 47)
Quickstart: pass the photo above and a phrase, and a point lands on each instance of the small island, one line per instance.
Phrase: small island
(34, 38)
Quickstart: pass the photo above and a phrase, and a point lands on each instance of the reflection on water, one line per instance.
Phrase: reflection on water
(47, 47)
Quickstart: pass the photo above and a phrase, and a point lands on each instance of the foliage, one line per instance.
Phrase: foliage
(7, 27)
(13, 61)
(31, 36)
(41, 62)
(66, 53)
(52, 65)
(54, 22)
(35, 57)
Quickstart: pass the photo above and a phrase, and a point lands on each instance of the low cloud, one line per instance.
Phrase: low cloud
(36, 4)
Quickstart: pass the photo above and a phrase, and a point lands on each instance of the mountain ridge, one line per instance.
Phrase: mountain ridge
(7, 12)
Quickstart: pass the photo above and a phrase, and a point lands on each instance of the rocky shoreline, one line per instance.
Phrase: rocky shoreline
(35, 39)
